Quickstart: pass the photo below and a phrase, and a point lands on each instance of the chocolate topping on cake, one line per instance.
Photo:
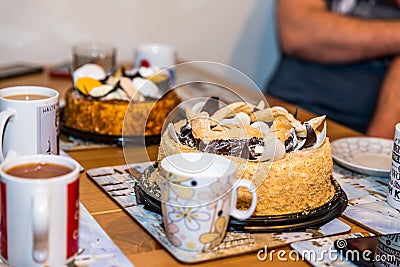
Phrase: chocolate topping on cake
(242, 148)
(311, 136)
(211, 105)
(186, 136)
(247, 131)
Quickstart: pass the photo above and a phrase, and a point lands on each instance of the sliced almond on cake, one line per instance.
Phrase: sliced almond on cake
(101, 90)
(231, 110)
(201, 125)
(129, 89)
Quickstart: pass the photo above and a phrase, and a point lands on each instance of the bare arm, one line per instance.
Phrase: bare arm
(308, 30)
(387, 111)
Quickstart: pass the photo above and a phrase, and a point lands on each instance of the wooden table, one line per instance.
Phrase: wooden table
(129, 236)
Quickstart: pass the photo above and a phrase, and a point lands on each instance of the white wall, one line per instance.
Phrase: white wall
(234, 32)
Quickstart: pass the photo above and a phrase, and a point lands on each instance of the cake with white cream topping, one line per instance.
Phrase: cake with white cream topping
(289, 161)
(98, 103)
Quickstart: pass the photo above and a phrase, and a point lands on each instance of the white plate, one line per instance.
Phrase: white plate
(367, 155)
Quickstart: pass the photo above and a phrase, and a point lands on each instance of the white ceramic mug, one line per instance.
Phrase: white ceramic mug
(393, 195)
(155, 55)
(387, 251)
(39, 216)
(28, 126)
(199, 194)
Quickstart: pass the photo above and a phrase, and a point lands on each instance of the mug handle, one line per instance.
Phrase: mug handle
(244, 214)
(40, 227)
(4, 117)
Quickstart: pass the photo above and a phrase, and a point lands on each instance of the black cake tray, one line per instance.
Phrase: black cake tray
(106, 139)
(148, 194)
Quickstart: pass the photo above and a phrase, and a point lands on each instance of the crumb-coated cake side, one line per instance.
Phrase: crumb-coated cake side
(153, 119)
(107, 117)
(89, 115)
(297, 183)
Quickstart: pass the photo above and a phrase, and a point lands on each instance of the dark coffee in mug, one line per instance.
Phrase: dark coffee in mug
(26, 97)
(38, 170)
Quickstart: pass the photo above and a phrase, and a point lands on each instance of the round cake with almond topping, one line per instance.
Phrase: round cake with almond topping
(98, 104)
(289, 161)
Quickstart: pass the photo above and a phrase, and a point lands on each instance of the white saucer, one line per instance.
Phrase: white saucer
(367, 155)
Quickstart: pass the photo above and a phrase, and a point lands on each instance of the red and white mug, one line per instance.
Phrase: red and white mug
(39, 216)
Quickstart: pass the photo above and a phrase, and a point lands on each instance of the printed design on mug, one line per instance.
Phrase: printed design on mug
(181, 221)
(72, 218)
(217, 190)
(220, 197)
(3, 221)
(394, 181)
(48, 129)
(214, 238)
(173, 182)
(171, 229)
(388, 248)
(191, 214)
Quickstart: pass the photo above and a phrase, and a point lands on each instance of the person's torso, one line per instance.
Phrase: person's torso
(346, 93)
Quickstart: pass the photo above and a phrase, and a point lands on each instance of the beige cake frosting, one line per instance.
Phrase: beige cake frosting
(296, 179)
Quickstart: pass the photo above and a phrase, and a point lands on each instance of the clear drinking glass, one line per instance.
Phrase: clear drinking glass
(101, 54)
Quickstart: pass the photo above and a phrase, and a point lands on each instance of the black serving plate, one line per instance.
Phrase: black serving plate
(106, 139)
(148, 194)
(296, 221)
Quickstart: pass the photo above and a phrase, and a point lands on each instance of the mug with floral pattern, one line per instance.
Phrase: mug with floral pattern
(199, 194)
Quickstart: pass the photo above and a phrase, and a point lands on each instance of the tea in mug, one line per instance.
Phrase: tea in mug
(38, 170)
(26, 97)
